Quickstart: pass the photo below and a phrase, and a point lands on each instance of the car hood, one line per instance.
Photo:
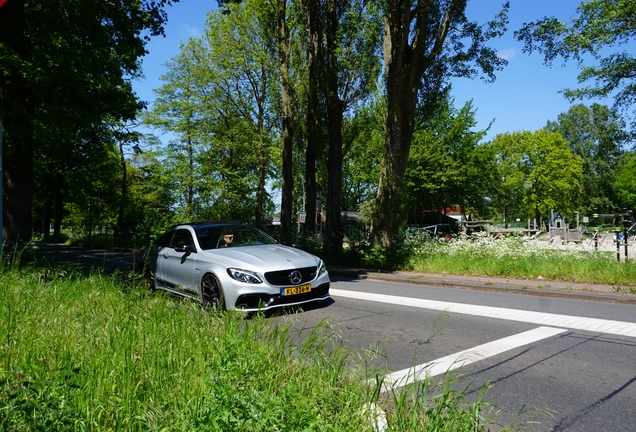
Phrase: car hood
(261, 257)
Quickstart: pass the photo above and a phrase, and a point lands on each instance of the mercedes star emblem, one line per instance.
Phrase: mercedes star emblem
(295, 277)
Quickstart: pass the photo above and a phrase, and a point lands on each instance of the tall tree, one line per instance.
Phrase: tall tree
(239, 68)
(626, 181)
(315, 27)
(217, 111)
(425, 44)
(178, 110)
(597, 135)
(596, 33)
(539, 172)
(510, 174)
(352, 38)
(17, 104)
(447, 166)
(284, 50)
(363, 138)
(275, 16)
(65, 62)
(124, 136)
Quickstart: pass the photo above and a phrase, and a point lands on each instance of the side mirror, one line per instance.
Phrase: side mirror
(187, 249)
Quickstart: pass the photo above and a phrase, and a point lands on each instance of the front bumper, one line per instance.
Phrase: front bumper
(263, 301)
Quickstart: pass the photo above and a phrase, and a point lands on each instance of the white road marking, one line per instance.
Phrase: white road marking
(440, 366)
(620, 328)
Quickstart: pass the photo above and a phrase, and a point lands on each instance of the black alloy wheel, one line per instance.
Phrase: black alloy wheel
(211, 294)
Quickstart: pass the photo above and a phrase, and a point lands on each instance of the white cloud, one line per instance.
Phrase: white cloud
(193, 31)
(507, 54)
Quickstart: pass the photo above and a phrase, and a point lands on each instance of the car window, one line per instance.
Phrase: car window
(207, 238)
(182, 237)
(213, 237)
(164, 240)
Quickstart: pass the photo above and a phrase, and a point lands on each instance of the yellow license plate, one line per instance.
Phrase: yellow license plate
(296, 290)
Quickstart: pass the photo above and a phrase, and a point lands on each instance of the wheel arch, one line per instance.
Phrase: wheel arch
(212, 273)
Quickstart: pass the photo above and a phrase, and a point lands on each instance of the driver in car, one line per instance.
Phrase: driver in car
(227, 240)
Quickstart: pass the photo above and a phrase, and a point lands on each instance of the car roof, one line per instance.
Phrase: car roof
(209, 223)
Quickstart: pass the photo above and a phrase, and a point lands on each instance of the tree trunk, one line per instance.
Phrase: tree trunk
(191, 168)
(401, 96)
(505, 214)
(16, 101)
(411, 46)
(312, 13)
(120, 229)
(262, 168)
(45, 223)
(59, 213)
(287, 117)
(263, 159)
(334, 230)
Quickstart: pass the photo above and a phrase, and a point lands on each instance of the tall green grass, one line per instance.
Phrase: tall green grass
(514, 258)
(88, 353)
(588, 269)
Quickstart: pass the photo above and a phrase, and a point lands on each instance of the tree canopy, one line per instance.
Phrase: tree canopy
(447, 166)
(626, 181)
(425, 44)
(64, 68)
(603, 31)
(538, 171)
(289, 95)
(219, 97)
(597, 135)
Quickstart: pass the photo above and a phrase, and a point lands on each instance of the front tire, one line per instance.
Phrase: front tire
(211, 297)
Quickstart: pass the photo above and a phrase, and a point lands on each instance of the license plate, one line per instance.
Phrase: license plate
(296, 290)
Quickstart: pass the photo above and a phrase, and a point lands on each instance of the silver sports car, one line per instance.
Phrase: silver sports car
(233, 265)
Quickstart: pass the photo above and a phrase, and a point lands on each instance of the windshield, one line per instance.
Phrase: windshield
(213, 237)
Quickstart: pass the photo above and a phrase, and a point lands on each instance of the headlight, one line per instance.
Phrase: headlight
(321, 267)
(244, 275)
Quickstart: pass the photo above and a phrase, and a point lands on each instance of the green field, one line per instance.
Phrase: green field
(92, 353)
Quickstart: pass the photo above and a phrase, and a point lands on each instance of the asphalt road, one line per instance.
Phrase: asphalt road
(573, 380)
(568, 363)
(120, 261)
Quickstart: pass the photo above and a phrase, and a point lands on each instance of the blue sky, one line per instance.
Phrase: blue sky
(524, 96)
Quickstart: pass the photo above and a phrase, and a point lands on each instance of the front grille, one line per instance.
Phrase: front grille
(282, 277)
(267, 301)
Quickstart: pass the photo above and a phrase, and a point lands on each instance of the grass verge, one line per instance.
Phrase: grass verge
(583, 270)
(82, 353)
(513, 258)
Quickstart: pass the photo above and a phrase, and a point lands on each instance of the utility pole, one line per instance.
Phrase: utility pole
(595, 216)
(617, 231)
(627, 223)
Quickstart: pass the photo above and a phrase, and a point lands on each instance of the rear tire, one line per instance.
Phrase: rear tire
(211, 296)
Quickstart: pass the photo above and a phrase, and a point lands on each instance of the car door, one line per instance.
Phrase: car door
(154, 257)
(178, 261)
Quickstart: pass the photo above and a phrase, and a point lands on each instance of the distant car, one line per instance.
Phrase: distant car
(230, 265)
